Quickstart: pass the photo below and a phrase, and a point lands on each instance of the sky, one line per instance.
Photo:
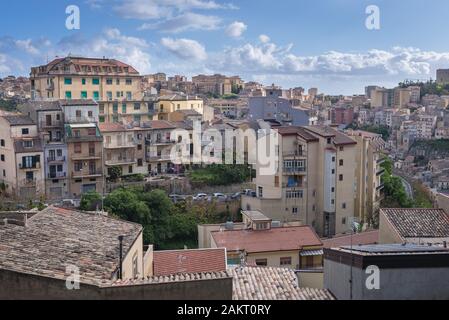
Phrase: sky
(292, 43)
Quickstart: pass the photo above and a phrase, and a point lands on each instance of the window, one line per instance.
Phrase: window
(340, 177)
(78, 166)
(343, 220)
(4, 172)
(77, 147)
(261, 262)
(343, 205)
(96, 81)
(329, 140)
(140, 162)
(260, 192)
(59, 152)
(295, 211)
(109, 81)
(342, 149)
(129, 82)
(137, 118)
(2, 143)
(78, 113)
(27, 144)
(101, 119)
(286, 261)
(83, 94)
(25, 131)
(130, 169)
(68, 95)
(341, 163)
(137, 106)
(135, 267)
(90, 114)
(124, 108)
(92, 131)
(109, 95)
(129, 95)
(333, 171)
(117, 81)
(2, 158)
(96, 95)
(67, 81)
(333, 159)
(332, 189)
(115, 107)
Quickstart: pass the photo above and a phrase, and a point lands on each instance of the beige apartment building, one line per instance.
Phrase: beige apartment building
(314, 182)
(215, 84)
(85, 161)
(172, 103)
(402, 97)
(21, 157)
(116, 86)
(369, 158)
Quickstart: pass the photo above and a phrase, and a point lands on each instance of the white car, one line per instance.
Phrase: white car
(200, 197)
(220, 196)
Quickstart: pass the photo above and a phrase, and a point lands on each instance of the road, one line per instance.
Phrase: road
(408, 188)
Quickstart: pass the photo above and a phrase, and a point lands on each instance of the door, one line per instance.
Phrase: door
(48, 120)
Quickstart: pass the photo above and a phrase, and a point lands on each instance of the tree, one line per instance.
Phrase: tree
(90, 201)
(115, 173)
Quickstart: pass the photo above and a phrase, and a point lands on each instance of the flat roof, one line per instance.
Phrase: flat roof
(256, 215)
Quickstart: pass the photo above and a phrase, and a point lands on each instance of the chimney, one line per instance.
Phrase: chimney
(120, 268)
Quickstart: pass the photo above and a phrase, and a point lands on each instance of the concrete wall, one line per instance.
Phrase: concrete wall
(387, 234)
(19, 286)
(395, 284)
(311, 279)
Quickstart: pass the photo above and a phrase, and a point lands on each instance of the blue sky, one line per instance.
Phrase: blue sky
(307, 43)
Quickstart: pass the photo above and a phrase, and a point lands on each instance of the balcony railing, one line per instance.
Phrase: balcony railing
(87, 173)
(293, 170)
(159, 141)
(295, 154)
(293, 185)
(122, 161)
(56, 175)
(56, 159)
(129, 144)
(36, 166)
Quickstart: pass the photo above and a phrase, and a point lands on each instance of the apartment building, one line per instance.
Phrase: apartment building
(443, 76)
(120, 149)
(49, 118)
(402, 97)
(342, 115)
(21, 157)
(215, 84)
(171, 103)
(314, 182)
(369, 172)
(116, 86)
(158, 146)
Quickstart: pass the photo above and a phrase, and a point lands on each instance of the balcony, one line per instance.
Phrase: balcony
(294, 170)
(295, 154)
(296, 185)
(81, 120)
(118, 162)
(56, 175)
(88, 156)
(56, 159)
(97, 173)
(29, 183)
(159, 142)
(85, 138)
(51, 124)
(126, 145)
(380, 172)
(48, 141)
(36, 166)
(155, 157)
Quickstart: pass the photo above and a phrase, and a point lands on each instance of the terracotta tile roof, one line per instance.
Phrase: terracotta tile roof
(161, 124)
(369, 237)
(174, 278)
(258, 283)
(418, 223)
(189, 261)
(111, 127)
(287, 131)
(55, 238)
(276, 239)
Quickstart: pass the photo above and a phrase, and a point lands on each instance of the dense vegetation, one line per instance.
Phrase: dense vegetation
(429, 87)
(166, 225)
(216, 175)
(8, 105)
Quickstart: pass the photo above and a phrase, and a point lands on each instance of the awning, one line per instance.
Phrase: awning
(308, 253)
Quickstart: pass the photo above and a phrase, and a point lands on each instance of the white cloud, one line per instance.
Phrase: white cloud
(264, 38)
(185, 48)
(185, 22)
(236, 29)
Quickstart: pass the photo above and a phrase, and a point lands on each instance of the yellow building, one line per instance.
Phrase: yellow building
(171, 103)
(116, 86)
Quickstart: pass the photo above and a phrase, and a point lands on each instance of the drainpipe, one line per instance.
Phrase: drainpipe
(120, 268)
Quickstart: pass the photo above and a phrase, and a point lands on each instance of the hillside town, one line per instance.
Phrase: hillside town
(135, 186)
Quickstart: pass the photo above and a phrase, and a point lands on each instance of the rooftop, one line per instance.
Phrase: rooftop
(189, 261)
(258, 283)
(418, 223)
(44, 105)
(112, 127)
(393, 249)
(18, 120)
(369, 237)
(56, 238)
(256, 215)
(291, 130)
(277, 239)
(78, 102)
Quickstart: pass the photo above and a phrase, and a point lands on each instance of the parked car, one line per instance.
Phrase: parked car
(247, 192)
(200, 197)
(177, 198)
(220, 196)
(236, 196)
